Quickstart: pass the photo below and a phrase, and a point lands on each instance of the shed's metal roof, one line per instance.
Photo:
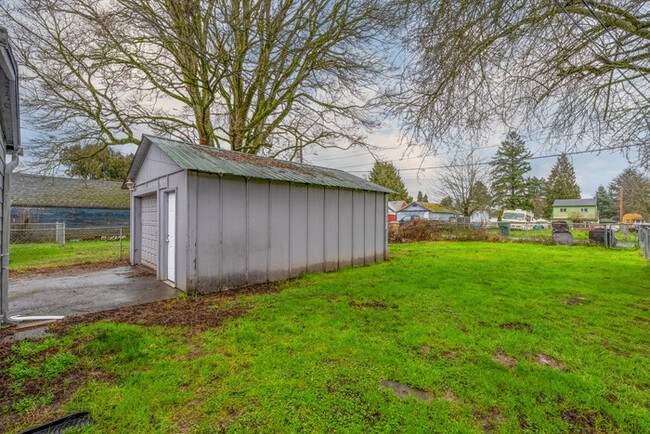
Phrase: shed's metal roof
(575, 202)
(200, 158)
(42, 191)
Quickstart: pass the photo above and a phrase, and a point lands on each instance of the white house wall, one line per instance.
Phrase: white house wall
(251, 231)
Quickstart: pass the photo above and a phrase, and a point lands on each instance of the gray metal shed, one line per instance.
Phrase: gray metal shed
(208, 219)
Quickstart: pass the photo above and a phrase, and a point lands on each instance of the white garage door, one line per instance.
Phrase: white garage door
(149, 232)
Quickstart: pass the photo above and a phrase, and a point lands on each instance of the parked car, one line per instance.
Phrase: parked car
(408, 219)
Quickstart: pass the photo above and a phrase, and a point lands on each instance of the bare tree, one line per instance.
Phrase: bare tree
(571, 72)
(463, 179)
(256, 76)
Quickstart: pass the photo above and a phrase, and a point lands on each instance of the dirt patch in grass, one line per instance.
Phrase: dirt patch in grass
(198, 313)
(588, 421)
(448, 395)
(489, 418)
(54, 392)
(450, 354)
(65, 270)
(403, 391)
(641, 308)
(369, 304)
(507, 361)
(551, 362)
(574, 301)
(516, 325)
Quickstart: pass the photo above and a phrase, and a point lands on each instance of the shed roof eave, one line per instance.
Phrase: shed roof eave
(288, 182)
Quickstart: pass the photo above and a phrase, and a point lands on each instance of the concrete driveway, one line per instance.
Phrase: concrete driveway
(85, 292)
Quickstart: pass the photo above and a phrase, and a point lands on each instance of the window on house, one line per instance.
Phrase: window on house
(584, 210)
(562, 209)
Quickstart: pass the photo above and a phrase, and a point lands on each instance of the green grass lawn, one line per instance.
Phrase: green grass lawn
(38, 256)
(312, 357)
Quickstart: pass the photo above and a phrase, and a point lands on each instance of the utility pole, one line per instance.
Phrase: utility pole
(620, 205)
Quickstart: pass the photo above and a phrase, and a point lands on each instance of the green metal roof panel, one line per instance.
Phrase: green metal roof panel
(212, 160)
(47, 191)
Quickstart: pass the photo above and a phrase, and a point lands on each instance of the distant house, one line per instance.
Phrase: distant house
(426, 211)
(393, 207)
(75, 202)
(632, 218)
(575, 210)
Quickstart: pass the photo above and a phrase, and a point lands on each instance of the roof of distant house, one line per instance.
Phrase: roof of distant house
(434, 207)
(396, 205)
(575, 202)
(48, 191)
(208, 159)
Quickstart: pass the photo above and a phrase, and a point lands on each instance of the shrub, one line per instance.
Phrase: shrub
(426, 230)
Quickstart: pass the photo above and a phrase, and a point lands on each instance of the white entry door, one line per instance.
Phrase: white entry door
(171, 236)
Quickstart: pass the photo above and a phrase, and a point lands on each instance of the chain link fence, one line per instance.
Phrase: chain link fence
(627, 236)
(40, 245)
(644, 239)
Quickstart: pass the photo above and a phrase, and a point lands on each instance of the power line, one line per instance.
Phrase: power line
(540, 157)
(410, 158)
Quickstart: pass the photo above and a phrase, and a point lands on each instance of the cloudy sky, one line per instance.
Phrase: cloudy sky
(592, 170)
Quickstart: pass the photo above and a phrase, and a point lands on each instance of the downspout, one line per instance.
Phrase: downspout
(6, 217)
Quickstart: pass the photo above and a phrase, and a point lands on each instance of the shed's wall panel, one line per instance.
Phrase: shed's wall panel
(273, 230)
(346, 205)
(358, 228)
(258, 231)
(316, 228)
(279, 225)
(156, 164)
(298, 230)
(331, 228)
(381, 226)
(234, 249)
(369, 227)
(207, 233)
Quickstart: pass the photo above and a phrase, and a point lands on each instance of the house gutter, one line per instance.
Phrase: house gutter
(6, 210)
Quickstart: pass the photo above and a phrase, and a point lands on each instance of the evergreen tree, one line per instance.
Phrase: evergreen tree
(425, 198)
(536, 195)
(385, 174)
(508, 169)
(447, 202)
(605, 204)
(420, 197)
(561, 184)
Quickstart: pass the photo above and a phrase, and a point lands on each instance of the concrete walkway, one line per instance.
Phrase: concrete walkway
(85, 292)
